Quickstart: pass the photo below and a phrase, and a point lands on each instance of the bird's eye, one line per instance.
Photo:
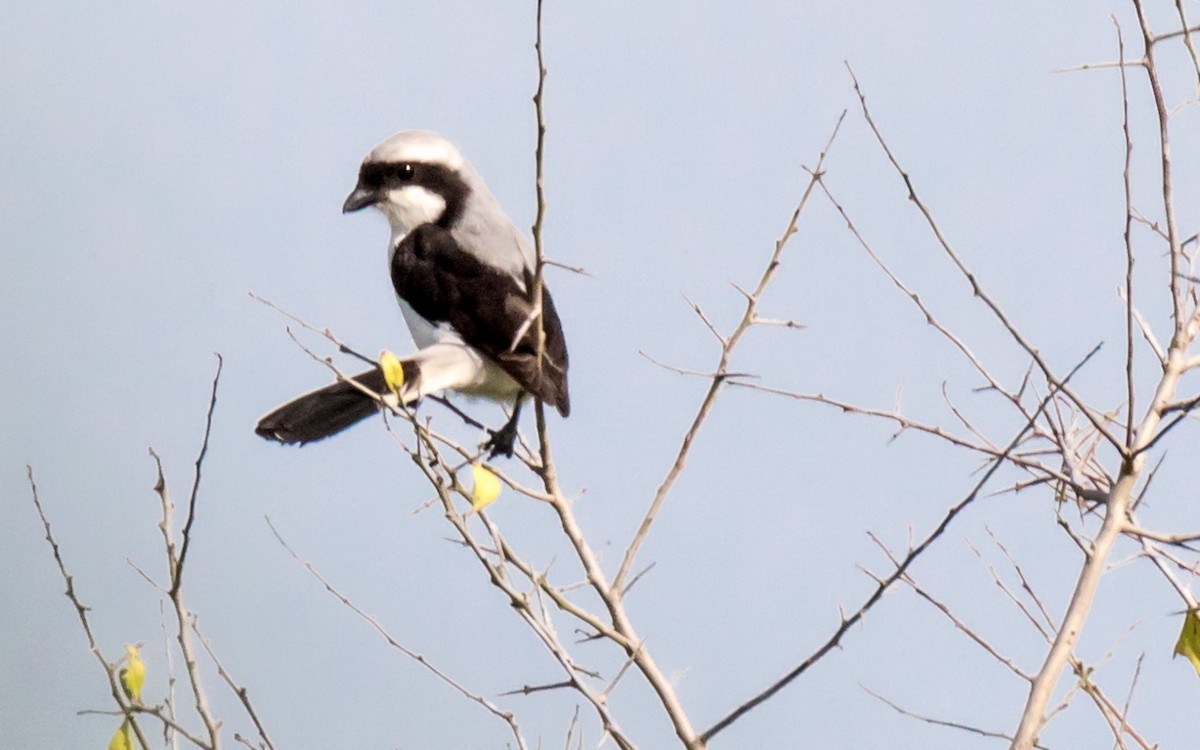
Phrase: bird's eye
(406, 172)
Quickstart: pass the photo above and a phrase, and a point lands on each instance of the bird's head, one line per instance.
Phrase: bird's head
(414, 177)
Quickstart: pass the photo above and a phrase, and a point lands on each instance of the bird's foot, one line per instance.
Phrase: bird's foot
(502, 440)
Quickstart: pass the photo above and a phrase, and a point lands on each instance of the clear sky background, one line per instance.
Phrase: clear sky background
(158, 163)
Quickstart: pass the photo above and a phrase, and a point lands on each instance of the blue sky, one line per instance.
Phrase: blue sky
(159, 164)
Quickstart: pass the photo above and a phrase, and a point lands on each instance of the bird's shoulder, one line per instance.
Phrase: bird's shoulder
(444, 282)
(433, 249)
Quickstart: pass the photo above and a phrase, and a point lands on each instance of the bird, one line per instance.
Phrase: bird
(463, 275)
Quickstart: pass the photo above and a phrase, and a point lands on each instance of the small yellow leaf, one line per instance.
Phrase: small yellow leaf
(1189, 640)
(393, 371)
(122, 739)
(486, 489)
(133, 675)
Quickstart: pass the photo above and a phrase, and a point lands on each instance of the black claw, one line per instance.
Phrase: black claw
(502, 441)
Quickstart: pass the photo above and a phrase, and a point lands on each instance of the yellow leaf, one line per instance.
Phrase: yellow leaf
(133, 675)
(122, 739)
(486, 489)
(1189, 640)
(393, 371)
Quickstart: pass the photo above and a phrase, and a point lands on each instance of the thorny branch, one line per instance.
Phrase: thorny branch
(721, 373)
(175, 568)
(883, 584)
(184, 620)
(81, 610)
(1116, 718)
(977, 288)
(938, 722)
(489, 706)
(1149, 429)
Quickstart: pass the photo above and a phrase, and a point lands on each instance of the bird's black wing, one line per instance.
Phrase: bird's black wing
(487, 307)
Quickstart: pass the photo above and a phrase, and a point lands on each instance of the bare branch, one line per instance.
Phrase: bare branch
(1159, 557)
(1173, 34)
(914, 552)
(1187, 41)
(847, 622)
(1147, 432)
(707, 375)
(707, 323)
(238, 690)
(938, 722)
(1137, 671)
(904, 423)
(505, 716)
(954, 619)
(930, 318)
(177, 568)
(785, 323)
(1128, 291)
(609, 595)
(976, 287)
(1185, 406)
(1174, 539)
(720, 373)
(445, 483)
(81, 610)
(530, 689)
(1144, 327)
(573, 269)
(1164, 153)
(155, 712)
(324, 332)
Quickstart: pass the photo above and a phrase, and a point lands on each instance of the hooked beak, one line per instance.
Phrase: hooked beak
(360, 198)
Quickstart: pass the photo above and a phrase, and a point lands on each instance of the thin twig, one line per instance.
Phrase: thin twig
(505, 716)
(937, 722)
(914, 552)
(956, 341)
(719, 374)
(1128, 193)
(175, 568)
(531, 689)
(81, 610)
(177, 575)
(954, 619)
(1187, 41)
(905, 423)
(444, 485)
(1164, 154)
(239, 690)
(976, 288)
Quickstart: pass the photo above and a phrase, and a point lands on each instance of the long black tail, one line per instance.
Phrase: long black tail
(324, 412)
